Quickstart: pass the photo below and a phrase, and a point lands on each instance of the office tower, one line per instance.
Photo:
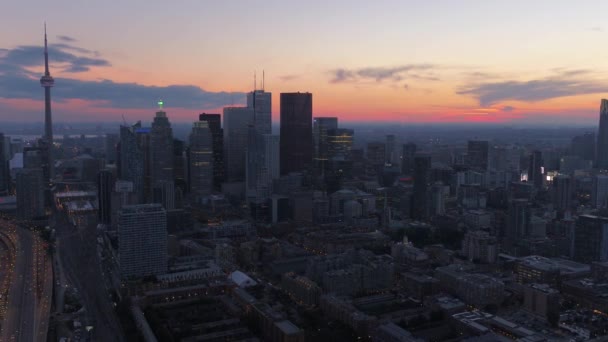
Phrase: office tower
(601, 161)
(161, 149)
(518, 219)
(261, 103)
(480, 246)
(296, 132)
(142, 241)
(583, 146)
(591, 239)
(262, 166)
(132, 159)
(200, 160)
(407, 158)
(422, 179)
(30, 193)
(599, 191)
(4, 171)
(437, 196)
(535, 169)
(163, 192)
(376, 153)
(391, 153)
(236, 133)
(180, 166)
(320, 127)
(339, 143)
(562, 192)
(477, 154)
(110, 142)
(217, 133)
(47, 83)
(105, 186)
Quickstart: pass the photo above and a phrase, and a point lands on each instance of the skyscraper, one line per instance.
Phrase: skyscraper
(407, 158)
(111, 140)
(236, 132)
(339, 143)
(142, 240)
(132, 159)
(320, 127)
(30, 193)
(535, 169)
(262, 165)
(562, 192)
(47, 82)
(477, 154)
(105, 185)
(422, 180)
(296, 132)
(161, 149)
(591, 238)
(261, 103)
(4, 171)
(601, 161)
(390, 152)
(518, 219)
(599, 191)
(200, 160)
(214, 121)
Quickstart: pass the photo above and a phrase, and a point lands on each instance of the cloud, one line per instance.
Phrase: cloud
(287, 78)
(565, 83)
(508, 108)
(66, 39)
(18, 82)
(596, 29)
(380, 74)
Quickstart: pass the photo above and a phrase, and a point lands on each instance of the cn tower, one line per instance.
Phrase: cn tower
(47, 82)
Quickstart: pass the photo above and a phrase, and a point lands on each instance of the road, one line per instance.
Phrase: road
(28, 306)
(77, 251)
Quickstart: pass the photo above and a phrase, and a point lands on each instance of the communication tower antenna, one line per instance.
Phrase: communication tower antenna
(263, 79)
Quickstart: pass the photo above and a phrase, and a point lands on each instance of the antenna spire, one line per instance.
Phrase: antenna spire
(255, 84)
(46, 54)
(262, 79)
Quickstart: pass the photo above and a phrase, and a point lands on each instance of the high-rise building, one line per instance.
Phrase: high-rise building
(4, 171)
(562, 192)
(320, 127)
(236, 133)
(262, 165)
(407, 158)
(477, 154)
(261, 103)
(105, 186)
(518, 219)
(339, 143)
(376, 153)
(591, 238)
(535, 169)
(599, 191)
(480, 246)
(200, 160)
(30, 193)
(390, 150)
(422, 179)
(142, 241)
(132, 159)
(583, 146)
(47, 82)
(110, 143)
(601, 161)
(180, 165)
(214, 121)
(161, 149)
(296, 132)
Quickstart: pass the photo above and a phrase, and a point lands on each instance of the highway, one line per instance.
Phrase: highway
(77, 251)
(28, 308)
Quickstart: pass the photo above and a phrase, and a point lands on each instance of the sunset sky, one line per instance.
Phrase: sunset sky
(405, 61)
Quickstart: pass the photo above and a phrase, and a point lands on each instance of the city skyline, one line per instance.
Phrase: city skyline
(405, 62)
